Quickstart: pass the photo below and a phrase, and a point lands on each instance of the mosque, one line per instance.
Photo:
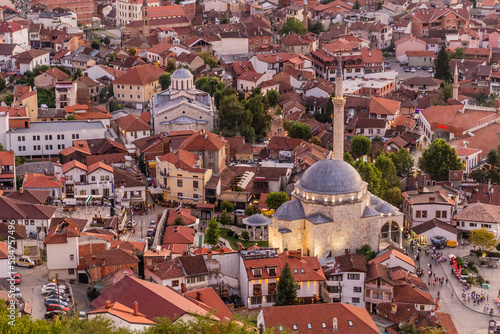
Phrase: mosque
(331, 211)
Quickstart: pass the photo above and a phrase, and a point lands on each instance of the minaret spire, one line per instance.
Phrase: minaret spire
(306, 17)
(145, 19)
(455, 84)
(338, 113)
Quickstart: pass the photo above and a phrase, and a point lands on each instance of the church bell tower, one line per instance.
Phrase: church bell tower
(338, 113)
(145, 18)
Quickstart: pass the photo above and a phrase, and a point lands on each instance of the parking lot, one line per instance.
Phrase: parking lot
(402, 75)
(32, 280)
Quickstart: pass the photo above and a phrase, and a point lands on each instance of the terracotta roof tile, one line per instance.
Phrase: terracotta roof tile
(140, 75)
(123, 312)
(132, 123)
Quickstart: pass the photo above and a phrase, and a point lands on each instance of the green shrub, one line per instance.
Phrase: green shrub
(492, 254)
(498, 247)
(230, 233)
(236, 236)
(479, 252)
(470, 264)
(460, 262)
(470, 280)
(465, 272)
(480, 280)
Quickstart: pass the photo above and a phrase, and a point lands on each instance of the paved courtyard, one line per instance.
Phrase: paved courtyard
(468, 319)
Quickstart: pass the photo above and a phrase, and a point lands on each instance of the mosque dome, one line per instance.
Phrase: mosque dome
(331, 177)
(181, 73)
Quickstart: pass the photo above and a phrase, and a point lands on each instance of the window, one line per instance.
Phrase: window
(93, 178)
(257, 290)
(309, 326)
(298, 286)
(271, 271)
(301, 270)
(486, 225)
(256, 300)
(353, 276)
(295, 271)
(472, 225)
(107, 177)
(443, 214)
(191, 280)
(210, 165)
(175, 283)
(201, 279)
(271, 288)
(180, 195)
(195, 184)
(418, 214)
(83, 192)
(334, 289)
(210, 154)
(75, 136)
(323, 325)
(179, 183)
(102, 177)
(195, 196)
(424, 213)
(350, 323)
(422, 307)
(257, 272)
(294, 327)
(72, 257)
(356, 289)
(438, 214)
(139, 97)
(71, 271)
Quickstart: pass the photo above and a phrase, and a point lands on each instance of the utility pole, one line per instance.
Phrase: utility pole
(141, 229)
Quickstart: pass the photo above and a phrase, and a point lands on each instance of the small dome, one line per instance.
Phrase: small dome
(291, 210)
(385, 207)
(257, 220)
(331, 177)
(181, 73)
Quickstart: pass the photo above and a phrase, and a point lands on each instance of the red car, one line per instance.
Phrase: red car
(17, 278)
(57, 307)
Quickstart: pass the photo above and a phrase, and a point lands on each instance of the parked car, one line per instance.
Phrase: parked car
(52, 314)
(82, 315)
(48, 289)
(16, 278)
(419, 68)
(52, 284)
(438, 241)
(59, 297)
(152, 224)
(23, 262)
(55, 301)
(239, 212)
(151, 232)
(131, 224)
(17, 293)
(57, 307)
(430, 69)
(407, 69)
(424, 68)
(413, 70)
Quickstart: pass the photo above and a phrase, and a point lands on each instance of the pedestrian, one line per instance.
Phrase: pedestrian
(430, 265)
(439, 293)
(491, 312)
(446, 280)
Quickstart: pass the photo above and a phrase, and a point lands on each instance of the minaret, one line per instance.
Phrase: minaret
(455, 84)
(338, 114)
(145, 16)
(304, 12)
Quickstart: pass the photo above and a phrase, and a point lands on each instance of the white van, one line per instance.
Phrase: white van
(23, 262)
(239, 212)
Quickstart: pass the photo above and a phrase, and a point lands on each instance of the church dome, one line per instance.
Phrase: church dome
(181, 73)
(331, 177)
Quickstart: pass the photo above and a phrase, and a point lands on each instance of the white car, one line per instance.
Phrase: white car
(46, 289)
(17, 293)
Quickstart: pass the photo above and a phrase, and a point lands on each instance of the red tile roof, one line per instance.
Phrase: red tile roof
(140, 75)
(132, 123)
(181, 159)
(350, 319)
(123, 312)
(203, 140)
(385, 256)
(58, 234)
(41, 181)
(178, 235)
(7, 158)
(73, 164)
(209, 297)
(408, 294)
(95, 166)
(381, 106)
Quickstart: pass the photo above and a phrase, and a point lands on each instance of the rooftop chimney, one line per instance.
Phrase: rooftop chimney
(136, 308)
(420, 189)
(295, 253)
(108, 304)
(209, 254)
(198, 296)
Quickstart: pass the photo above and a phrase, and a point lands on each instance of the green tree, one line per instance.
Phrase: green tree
(208, 59)
(389, 172)
(179, 220)
(348, 158)
(371, 175)
(96, 44)
(273, 97)
(292, 25)
(492, 157)
(439, 159)
(171, 66)
(2, 84)
(315, 27)
(234, 119)
(286, 292)
(446, 91)
(224, 19)
(403, 161)
(356, 5)
(47, 97)
(299, 130)
(71, 117)
(213, 232)
(478, 175)
(250, 210)
(1, 147)
(360, 145)
(316, 141)
(256, 104)
(483, 238)
(8, 99)
(225, 218)
(275, 199)
(227, 206)
(209, 84)
(379, 5)
(459, 53)
(393, 196)
(245, 235)
(367, 252)
(106, 41)
(442, 66)
(408, 328)
(164, 81)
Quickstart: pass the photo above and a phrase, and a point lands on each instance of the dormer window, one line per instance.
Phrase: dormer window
(271, 271)
(302, 270)
(257, 272)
